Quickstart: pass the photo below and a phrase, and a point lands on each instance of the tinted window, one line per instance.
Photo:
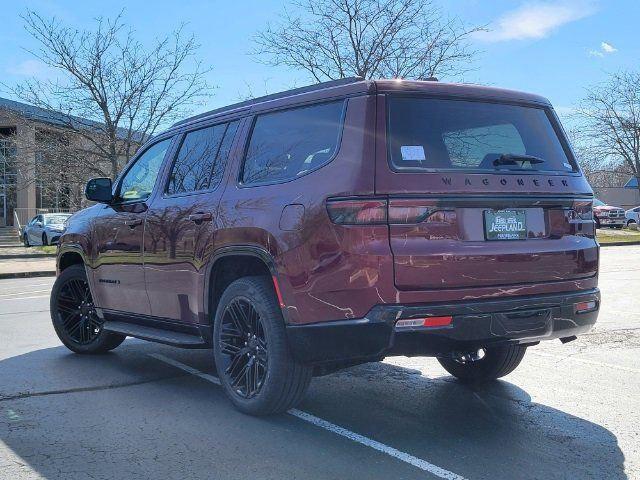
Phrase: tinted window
(287, 144)
(139, 180)
(449, 134)
(201, 159)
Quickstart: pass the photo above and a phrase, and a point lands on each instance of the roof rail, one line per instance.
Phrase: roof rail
(273, 96)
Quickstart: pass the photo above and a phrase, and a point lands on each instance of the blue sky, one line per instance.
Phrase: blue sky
(554, 48)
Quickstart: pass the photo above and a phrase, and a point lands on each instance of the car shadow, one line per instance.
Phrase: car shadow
(495, 431)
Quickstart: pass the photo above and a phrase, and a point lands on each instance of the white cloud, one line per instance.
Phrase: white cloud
(608, 48)
(605, 49)
(537, 19)
(32, 68)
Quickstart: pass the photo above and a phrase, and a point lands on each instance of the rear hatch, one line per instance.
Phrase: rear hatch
(482, 193)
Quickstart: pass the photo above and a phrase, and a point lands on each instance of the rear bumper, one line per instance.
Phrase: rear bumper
(475, 324)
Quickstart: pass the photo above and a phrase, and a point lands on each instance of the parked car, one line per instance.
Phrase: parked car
(632, 216)
(607, 215)
(44, 229)
(327, 226)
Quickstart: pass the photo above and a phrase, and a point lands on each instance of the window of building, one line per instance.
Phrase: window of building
(201, 159)
(285, 145)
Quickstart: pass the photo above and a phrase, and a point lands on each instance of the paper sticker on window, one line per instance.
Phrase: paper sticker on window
(412, 153)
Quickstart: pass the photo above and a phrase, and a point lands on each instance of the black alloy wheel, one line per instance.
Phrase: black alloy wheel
(243, 346)
(74, 316)
(251, 350)
(76, 310)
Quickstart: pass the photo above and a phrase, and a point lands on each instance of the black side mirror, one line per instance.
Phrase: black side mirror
(99, 190)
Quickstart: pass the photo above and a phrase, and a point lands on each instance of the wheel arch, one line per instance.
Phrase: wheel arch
(229, 264)
(70, 255)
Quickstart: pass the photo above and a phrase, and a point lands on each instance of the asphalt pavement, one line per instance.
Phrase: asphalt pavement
(150, 411)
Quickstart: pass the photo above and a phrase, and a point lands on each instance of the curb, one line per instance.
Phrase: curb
(47, 273)
(618, 244)
(27, 255)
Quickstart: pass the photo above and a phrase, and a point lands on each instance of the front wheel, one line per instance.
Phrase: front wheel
(485, 365)
(251, 353)
(74, 317)
(45, 240)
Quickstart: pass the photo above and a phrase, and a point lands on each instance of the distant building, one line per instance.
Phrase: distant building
(23, 193)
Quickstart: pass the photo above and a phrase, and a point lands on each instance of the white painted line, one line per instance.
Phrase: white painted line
(381, 447)
(186, 368)
(25, 298)
(24, 293)
(319, 422)
(587, 362)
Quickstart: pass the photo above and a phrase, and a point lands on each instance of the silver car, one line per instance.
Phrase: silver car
(633, 216)
(44, 229)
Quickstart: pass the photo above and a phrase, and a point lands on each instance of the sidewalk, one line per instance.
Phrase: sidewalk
(18, 262)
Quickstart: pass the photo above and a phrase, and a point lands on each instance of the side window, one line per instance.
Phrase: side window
(201, 159)
(287, 144)
(33, 220)
(139, 180)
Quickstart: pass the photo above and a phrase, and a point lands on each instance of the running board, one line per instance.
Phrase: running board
(168, 337)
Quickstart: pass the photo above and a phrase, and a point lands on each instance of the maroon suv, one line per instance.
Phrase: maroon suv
(332, 225)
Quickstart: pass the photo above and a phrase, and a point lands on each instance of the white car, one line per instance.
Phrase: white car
(633, 216)
(44, 229)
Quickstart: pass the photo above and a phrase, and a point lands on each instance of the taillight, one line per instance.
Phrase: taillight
(357, 211)
(403, 211)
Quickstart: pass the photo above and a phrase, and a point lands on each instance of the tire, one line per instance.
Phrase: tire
(25, 240)
(630, 222)
(597, 223)
(249, 321)
(45, 240)
(77, 326)
(497, 362)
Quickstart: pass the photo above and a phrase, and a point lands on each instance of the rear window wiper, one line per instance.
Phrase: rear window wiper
(513, 159)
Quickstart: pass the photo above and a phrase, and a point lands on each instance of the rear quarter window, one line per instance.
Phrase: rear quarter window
(288, 144)
(439, 134)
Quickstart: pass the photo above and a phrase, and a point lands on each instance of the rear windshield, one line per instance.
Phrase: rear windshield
(56, 219)
(427, 134)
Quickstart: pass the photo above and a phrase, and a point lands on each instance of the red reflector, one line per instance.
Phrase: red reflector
(424, 322)
(437, 321)
(276, 287)
(586, 306)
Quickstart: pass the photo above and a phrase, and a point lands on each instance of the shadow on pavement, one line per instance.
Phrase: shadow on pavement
(140, 417)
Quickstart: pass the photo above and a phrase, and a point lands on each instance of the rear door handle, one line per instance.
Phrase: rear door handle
(200, 217)
(133, 222)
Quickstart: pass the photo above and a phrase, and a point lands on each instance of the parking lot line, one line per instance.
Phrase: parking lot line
(25, 298)
(24, 293)
(338, 430)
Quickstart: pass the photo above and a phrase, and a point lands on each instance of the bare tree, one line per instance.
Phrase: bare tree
(608, 128)
(125, 91)
(332, 39)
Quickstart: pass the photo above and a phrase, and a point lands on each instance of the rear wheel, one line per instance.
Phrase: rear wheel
(484, 365)
(251, 353)
(25, 240)
(74, 317)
